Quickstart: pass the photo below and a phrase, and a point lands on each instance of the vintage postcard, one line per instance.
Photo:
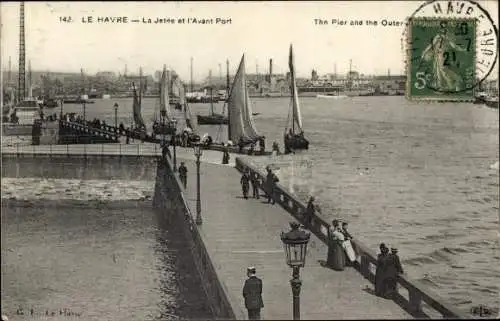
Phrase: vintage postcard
(249, 160)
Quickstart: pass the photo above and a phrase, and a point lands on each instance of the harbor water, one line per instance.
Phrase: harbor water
(93, 250)
(417, 176)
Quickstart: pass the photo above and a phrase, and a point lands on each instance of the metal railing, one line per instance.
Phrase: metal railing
(69, 150)
(417, 292)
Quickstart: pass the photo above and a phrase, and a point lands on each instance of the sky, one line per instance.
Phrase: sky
(260, 30)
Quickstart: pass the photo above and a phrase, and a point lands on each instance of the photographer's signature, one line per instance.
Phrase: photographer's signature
(51, 313)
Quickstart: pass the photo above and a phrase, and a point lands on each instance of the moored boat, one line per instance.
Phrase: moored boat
(331, 96)
(164, 124)
(212, 118)
(294, 138)
(241, 127)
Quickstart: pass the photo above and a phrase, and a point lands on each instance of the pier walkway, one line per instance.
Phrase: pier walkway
(241, 233)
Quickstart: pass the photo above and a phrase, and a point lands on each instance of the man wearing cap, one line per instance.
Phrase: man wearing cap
(393, 269)
(252, 292)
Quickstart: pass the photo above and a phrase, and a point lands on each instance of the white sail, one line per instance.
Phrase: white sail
(139, 122)
(240, 112)
(164, 99)
(188, 117)
(297, 117)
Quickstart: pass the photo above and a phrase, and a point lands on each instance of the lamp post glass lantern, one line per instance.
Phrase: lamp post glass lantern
(295, 245)
(198, 152)
(116, 115)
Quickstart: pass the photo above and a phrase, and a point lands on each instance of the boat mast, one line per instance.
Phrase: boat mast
(211, 92)
(140, 84)
(191, 68)
(227, 101)
(21, 89)
(350, 70)
(30, 81)
(292, 85)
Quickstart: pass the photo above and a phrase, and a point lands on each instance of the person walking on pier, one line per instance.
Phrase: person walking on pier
(310, 211)
(225, 155)
(252, 293)
(183, 174)
(271, 180)
(254, 179)
(393, 269)
(245, 184)
(380, 273)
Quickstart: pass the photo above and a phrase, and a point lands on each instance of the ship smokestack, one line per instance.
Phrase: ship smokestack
(270, 69)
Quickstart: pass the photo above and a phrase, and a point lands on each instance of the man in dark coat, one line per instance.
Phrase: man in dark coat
(254, 180)
(310, 210)
(380, 274)
(245, 184)
(183, 174)
(393, 269)
(380, 271)
(252, 292)
(271, 180)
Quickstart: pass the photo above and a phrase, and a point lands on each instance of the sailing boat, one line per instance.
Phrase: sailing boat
(176, 93)
(164, 125)
(190, 132)
(294, 138)
(212, 118)
(241, 125)
(139, 122)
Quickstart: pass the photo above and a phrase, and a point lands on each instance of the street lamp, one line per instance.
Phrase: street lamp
(295, 245)
(198, 152)
(116, 115)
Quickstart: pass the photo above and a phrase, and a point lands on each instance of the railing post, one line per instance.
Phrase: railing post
(138, 150)
(415, 301)
(120, 152)
(364, 266)
(50, 151)
(67, 150)
(17, 149)
(102, 150)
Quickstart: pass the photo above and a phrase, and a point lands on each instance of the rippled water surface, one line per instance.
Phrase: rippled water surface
(94, 248)
(417, 176)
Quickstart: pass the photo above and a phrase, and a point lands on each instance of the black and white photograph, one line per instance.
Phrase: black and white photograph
(260, 160)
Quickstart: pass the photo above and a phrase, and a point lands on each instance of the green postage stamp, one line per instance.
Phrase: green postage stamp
(442, 58)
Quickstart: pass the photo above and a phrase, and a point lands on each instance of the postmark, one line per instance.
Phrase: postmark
(450, 49)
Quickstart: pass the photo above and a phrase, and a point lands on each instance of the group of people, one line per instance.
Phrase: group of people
(388, 268)
(340, 250)
(251, 150)
(253, 178)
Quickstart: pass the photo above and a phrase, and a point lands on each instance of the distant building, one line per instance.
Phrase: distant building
(106, 75)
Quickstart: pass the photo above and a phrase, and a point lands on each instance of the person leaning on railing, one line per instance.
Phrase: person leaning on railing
(336, 258)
